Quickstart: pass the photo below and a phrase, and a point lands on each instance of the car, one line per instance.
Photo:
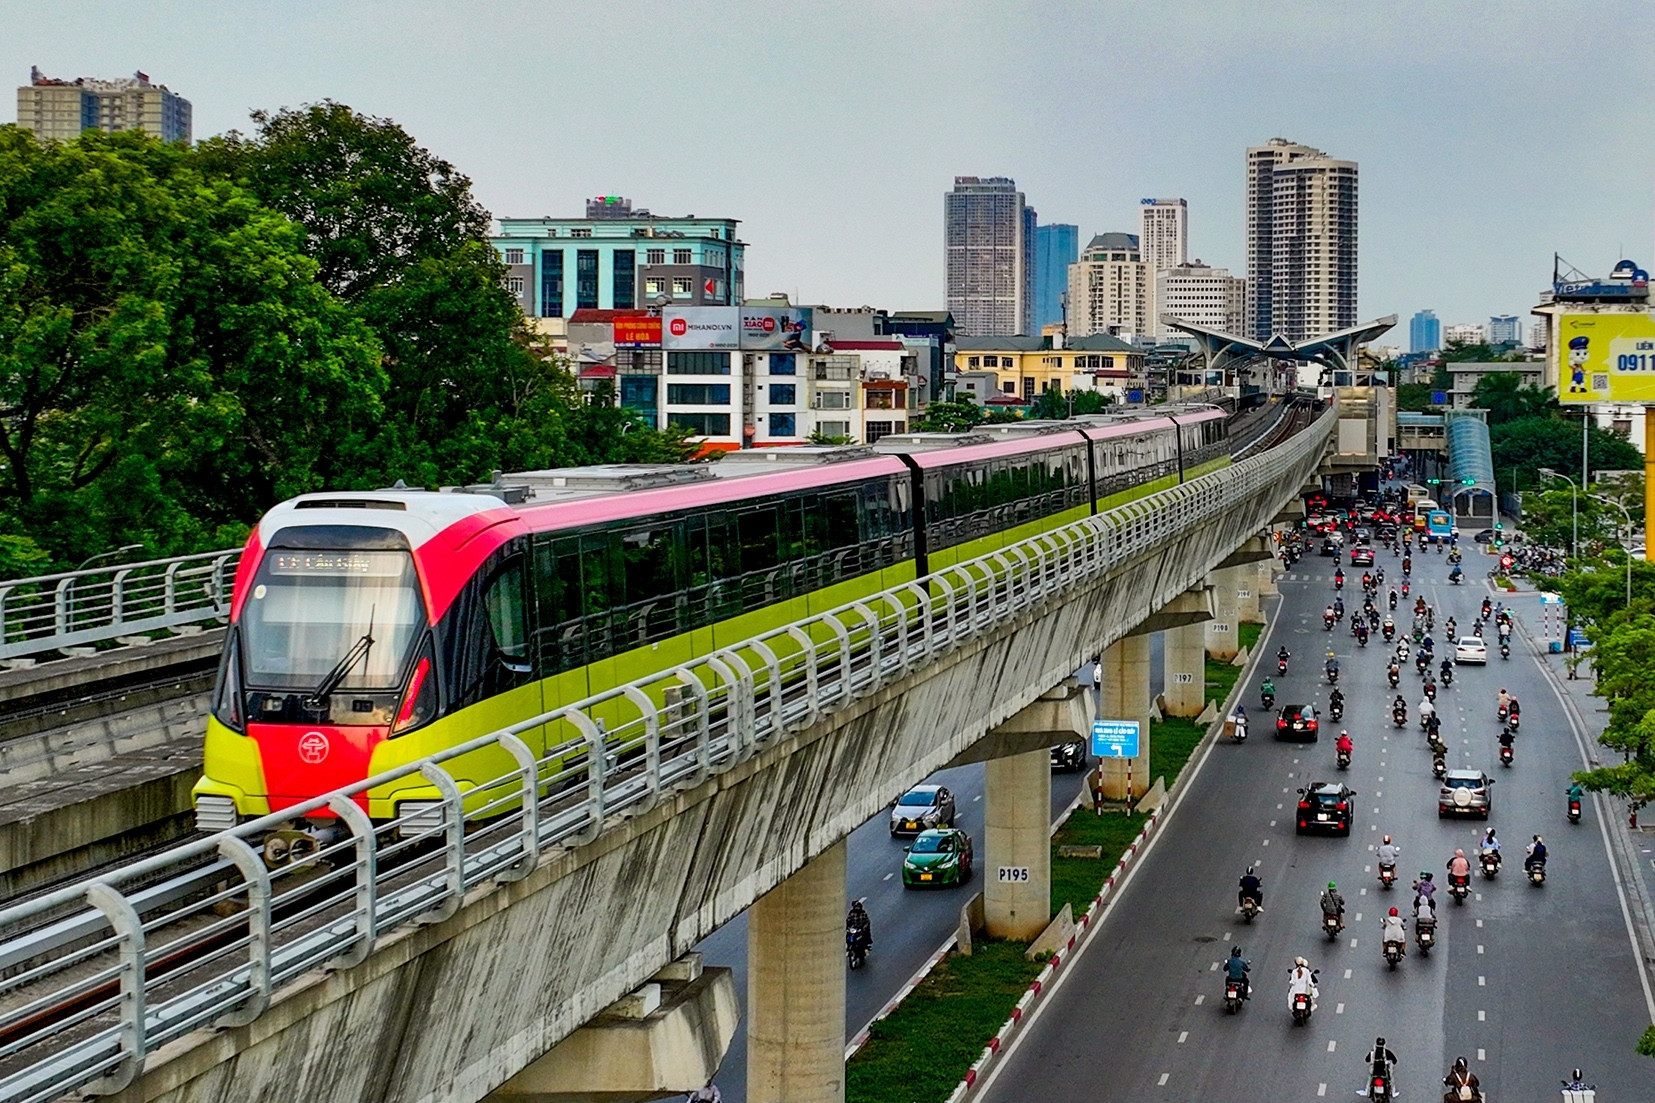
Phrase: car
(1364, 536)
(1330, 546)
(1297, 722)
(1325, 806)
(1465, 792)
(1070, 755)
(1483, 536)
(940, 856)
(1361, 557)
(1471, 649)
(921, 808)
(1386, 532)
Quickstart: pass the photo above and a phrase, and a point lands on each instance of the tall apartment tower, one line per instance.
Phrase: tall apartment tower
(1301, 242)
(60, 110)
(1110, 288)
(989, 255)
(1056, 246)
(1163, 234)
(1424, 332)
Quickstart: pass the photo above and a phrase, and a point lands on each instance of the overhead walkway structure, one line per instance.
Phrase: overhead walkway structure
(447, 954)
(1468, 491)
(1232, 353)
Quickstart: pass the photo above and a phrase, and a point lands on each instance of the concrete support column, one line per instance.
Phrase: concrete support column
(1124, 695)
(1267, 569)
(796, 986)
(1184, 669)
(1222, 640)
(1017, 835)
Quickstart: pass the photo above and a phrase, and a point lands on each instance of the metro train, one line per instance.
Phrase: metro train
(370, 629)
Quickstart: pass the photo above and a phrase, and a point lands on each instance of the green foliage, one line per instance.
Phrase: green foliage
(833, 439)
(1056, 406)
(1551, 517)
(1479, 354)
(1530, 443)
(1415, 398)
(1505, 398)
(950, 417)
(1646, 1043)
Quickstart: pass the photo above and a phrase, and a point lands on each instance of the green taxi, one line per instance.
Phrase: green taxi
(940, 856)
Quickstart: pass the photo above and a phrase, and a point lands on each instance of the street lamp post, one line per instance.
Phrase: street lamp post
(1628, 516)
(1574, 510)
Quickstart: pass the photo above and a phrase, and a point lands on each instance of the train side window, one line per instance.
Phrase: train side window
(757, 529)
(557, 573)
(508, 614)
(650, 557)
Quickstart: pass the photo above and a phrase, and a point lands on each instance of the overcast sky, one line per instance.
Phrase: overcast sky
(1489, 134)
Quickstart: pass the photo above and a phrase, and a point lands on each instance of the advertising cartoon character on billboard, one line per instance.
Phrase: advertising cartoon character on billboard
(1577, 364)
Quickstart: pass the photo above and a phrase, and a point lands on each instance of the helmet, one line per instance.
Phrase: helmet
(1235, 951)
(1331, 885)
(1249, 871)
(1343, 731)
(1387, 839)
(1576, 1074)
(1393, 911)
(1459, 1064)
(1426, 875)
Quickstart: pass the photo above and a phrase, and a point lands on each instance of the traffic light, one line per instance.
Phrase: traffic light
(1468, 482)
(1434, 482)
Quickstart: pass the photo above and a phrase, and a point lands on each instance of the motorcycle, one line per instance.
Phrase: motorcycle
(1399, 716)
(1505, 650)
(1439, 766)
(1431, 690)
(1389, 632)
(1434, 741)
(1332, 675)
(1421, 662)
(1515, 720)
(1387, 876)
(1266, 700)
(1281, 669)
(1233, 995)
(1249, 909)
(1459, 887)
(1490, 860)
(1505, 756)
(1302, 1005)
(1327, 622)
(1393, 954)
(1336, 711)
(1536, 872)
(1425, 934)
(856, 948)
(1342, 759)
(1447, 675)
(1332, 925)
(1455, 576)
(1393, 675)
(1502, 712)
(1574, 809)
(1362, 637)
(1393, 599)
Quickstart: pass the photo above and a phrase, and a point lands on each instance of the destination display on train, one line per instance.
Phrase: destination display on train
(373, 564)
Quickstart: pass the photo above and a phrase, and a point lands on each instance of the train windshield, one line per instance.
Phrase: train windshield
(311, 612)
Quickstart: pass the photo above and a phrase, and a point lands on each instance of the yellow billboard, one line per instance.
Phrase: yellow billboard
(1606, 358)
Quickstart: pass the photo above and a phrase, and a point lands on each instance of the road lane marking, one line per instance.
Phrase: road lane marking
(1182, 1035)
(1273, 822)
(1482, 1016)
(1226, 936)
(1339, 1010)
(1481, 981)
(1347, 974)
(1481, 1056)
(1363, 892)
(1479, 922)
(1359, 917)
(1353, 942)
(1199, 1000)
(979, 796)
(1479, 947)
(1331, 1044)
(888, 876)
(1278, 806)
(1213, 968)
(1162, 1081)
(1321, 1089)
(1266, 842)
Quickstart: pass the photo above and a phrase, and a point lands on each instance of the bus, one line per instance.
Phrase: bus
(1439, 525)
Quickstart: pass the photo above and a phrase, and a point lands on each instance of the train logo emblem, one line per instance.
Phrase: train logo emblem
(313, 747)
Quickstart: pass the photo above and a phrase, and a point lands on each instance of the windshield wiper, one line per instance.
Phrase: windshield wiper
(358, 652)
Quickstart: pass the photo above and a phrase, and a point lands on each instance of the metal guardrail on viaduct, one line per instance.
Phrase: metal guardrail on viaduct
(437, 957)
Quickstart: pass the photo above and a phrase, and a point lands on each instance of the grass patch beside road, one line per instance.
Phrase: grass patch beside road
(1249, 635)
(922, 1050)
(1076, 881)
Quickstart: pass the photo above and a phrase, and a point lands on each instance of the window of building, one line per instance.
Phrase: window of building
(652, 287)
(514, 256)
(655, 256)
(640, 394)
(701, 425)
(971, 361)
(552, 232)
(713, 258)
(716, 232)
(551, 283)
(833, 400)
(514, 284)
(833, 428)
(698, 363)
(682, 287)
(1028, 386)
(642, 361)
(698, 394)
(624, 280)
(879, 400)
(681, 256)
(783, 363)
(581, 232)
(1009, 387)
(781, 394)
(877, 429)
(783, 424)
(586, 279)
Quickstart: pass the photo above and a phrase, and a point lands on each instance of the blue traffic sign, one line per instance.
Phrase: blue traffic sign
(1439, 398)
(1115, 738)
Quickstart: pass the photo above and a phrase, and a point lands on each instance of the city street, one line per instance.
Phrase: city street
(1527, 982)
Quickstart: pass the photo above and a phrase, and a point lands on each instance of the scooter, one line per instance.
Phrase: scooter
(1459, 887)
(856, 949)
(1233, 997)
(1439, 766)
(1393, 954)
(1425, 934)
(1431, 690)
(1536, 872)
(1332, 675)
(1387, 876)
(1393, 675)
(1281, 670)
(1249, 909)
(1515, 720)
(1336, 711)
(1574, 809)
(1302, 1006)
(1505, 650)
(1342, 759)
(1502, 712)
(1399, 716)
(1332, 925)
(1490, 860)
(1448, 676)
(1327, 622)
(1505, 756)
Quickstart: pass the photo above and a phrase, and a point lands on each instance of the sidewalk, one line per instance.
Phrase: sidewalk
(1633, 848)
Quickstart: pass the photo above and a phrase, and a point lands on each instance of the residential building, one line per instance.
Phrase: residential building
(1201, 295)
(1469, 333)
(1466, 376)
(1424, 332)
(1109, 288)
(1301, 242)
(620, 260)
(1025, 367)
(1538, 335)
(1505, 329)
(1056, 246)
(1163, 236)
(989, 256)
(59, 110)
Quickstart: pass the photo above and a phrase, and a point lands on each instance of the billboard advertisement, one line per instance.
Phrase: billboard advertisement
(638, 332)
(701, 327)
(773, 329)
(1606, 358)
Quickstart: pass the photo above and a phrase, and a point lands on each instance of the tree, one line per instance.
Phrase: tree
(1524, 446)
(957, 416)
(1505, 398)
(1415, 398)
(1054, 405)
(1553, 516)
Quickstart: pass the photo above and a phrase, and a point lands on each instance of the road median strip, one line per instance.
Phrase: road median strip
(914, 1049)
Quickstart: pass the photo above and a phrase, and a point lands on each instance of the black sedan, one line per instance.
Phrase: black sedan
(1297, 722)
(1070, 756)
(1325, 806)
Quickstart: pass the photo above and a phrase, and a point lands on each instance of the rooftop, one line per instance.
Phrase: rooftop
(1098, 342)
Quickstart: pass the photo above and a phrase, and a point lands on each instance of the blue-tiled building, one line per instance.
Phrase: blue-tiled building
(1424, 332)
(1056, 246)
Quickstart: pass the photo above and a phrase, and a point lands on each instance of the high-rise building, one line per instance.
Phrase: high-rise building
(1505, 329)
(1056, 246)
(1468, 333)
(1163, 235)
(1424, 332)
(59, 110)
(1301, 242)
(988, 239)
(1201, 295)
(1110, 288)
(1538, 335)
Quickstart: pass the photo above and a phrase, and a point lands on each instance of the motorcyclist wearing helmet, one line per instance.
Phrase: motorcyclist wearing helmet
(1380, 1059)
(1386, 853)
(1461, 1083)
(858, 923)
(1343, 744)
(1336, 699)
(1236, 969)
(1331, 665)
(1504, 700)
(1536, 854)
(1507, 737)
(1425, 890)
(1250, 886)
(1332, 902)
(1282, 655)
(1393, 930)
(1301, 980)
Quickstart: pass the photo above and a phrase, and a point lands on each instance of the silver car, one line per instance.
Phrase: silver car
(1465, 792)
(921, 808)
